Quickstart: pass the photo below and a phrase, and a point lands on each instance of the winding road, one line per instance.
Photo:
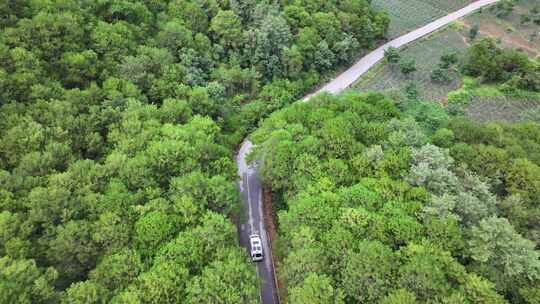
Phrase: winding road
(250, 183)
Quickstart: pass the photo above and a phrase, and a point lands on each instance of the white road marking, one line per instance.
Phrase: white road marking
(246, 177)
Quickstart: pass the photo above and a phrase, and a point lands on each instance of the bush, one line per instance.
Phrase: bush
(512, 85)
(392, 55)
(440, 75)
(473, 32)
(457, 101)
(447, 60)
(407, 66)
(411, 90)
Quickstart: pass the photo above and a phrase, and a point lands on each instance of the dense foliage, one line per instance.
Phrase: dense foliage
(379, 203)
(214, 54)
(117, 126)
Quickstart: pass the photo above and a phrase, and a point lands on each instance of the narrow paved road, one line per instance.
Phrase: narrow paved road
(251, 191)
(250, 183)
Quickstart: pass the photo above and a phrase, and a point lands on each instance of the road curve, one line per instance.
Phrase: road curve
(250, 183)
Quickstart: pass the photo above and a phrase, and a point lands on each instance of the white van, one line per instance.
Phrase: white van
(256, 248)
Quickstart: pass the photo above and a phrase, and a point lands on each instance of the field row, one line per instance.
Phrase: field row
(407, 15)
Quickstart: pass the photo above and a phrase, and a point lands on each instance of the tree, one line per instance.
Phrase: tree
(327, 26)
(443, 138)
(152, 230)
(501, 254)
(230, 280)
(431, 169)
(346, 48)
(481, 54)
(21, 281)
(86, 292)
(428, 271)
(149, 65)
(504, 8)
(164, 282)
(293, 61)
(174, 36)
(192, 14)
(113, 41)
(479, 290)
(79, 68)
(308, 40)
(227, 27)
(531, 295)
(299, 263)
(367, 274)
(197, 247)
(316, 289)
(523, 177)
(272, 38)
(71, 250)
(400, 296)
(118, 270)
(324, 57)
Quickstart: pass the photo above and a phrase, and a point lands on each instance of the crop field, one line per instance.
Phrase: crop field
(426, 53)
(407, 15)
(502, 108)
(511, 31)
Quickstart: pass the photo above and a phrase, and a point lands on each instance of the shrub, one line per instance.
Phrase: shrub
(440, 75)
(448, 60)
(407, 66)
(392, 55)
(473, 32)
(457, 101)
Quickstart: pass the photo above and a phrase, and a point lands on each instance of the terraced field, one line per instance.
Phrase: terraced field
(502, 108)
(406, 15)
(426, 53)
(510, 30)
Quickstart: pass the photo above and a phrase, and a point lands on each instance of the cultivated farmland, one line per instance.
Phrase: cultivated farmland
(409, 14)
(510, 30)
(503, 108)
(426, 53)
(520, 29)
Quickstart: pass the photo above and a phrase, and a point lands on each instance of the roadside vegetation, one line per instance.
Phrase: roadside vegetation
(118, 123)
(386, 202)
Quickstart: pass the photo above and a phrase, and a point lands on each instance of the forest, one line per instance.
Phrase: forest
(118, 123)
(386, 202)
